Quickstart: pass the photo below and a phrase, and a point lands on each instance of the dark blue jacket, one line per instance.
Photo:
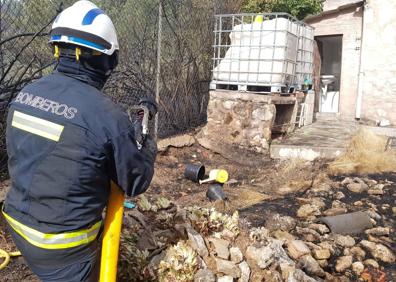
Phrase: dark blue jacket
(63, 185)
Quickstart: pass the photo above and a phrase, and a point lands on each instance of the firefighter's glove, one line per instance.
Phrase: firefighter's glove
(151, 105)
(150, 148)
(138, 132)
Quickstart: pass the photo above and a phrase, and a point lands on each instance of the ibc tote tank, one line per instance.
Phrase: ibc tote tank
(260, 53)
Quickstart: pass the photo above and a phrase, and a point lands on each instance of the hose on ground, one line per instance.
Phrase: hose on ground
(7, 256)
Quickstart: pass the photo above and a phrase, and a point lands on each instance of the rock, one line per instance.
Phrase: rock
(228, 268)
(4, 188)
(319, 202)
(310, 266)
(204, 275)
(197, 242)
(370, 182)
(344, 241)
(371, 262)
(385, 207)
(373, 239)
(283, 235)
(347, 252)
(358, 203)
(154, 263)
(225, 279)
(220, 247)
(357, 186)
(262, 114)
(315, 201)
(284, 223)
(343, 263)
(180, 216)
(262, 256)
(375, 192)
(378, 231)
(327, 245)
(357, 267)
(321, 188)
(321, 254)
(292, 274)
(312, 246)
(308, 210)
(229, 104)
(394, 210)
(321, 228)
(358, 253)
(379, 251)
(347, 181)
(267, 275)
(373, 215)
(245, 272)
(177, 141)
(338, 204)
(335, 211)
(297, 248)
(259, 234)
(228, 234)
(339, 195)
(236, 255)
(309, 234)
(265, 256)
(323, 262)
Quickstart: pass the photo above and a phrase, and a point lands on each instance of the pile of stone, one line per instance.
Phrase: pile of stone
(200, 244)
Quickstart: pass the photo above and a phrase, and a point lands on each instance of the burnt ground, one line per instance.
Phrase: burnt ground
(257, 192)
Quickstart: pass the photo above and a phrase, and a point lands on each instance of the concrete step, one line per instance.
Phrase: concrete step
(309, 153)
(322, 139)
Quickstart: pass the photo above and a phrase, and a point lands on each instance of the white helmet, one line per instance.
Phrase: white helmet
(84, 24)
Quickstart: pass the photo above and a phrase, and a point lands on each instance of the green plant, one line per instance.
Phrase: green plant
(297, 8)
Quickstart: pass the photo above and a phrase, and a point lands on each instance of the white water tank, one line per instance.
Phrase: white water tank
(259, 53)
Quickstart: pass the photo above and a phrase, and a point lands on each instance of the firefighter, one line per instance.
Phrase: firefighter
(66, 142)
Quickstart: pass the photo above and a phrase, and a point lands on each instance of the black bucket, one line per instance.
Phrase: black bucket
(194, 172)
(215, 192)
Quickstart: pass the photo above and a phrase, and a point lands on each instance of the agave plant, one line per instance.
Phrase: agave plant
(180, 264)
(162, 203)
(209, 221)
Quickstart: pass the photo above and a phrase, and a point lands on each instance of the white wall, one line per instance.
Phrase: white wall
(379, 61)
(334, 4)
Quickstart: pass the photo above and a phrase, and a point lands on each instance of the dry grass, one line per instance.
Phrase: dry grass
(290, 176)
(366, 153)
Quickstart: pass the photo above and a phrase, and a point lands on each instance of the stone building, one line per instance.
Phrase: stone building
(355, 57)
(357, 45)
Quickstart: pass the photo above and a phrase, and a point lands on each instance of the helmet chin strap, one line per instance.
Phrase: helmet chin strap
(91, 59)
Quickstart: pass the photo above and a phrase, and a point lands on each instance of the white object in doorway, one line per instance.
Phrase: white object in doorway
(329, 101)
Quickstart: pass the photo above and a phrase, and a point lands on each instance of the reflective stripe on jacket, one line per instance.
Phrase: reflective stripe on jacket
(54, 241)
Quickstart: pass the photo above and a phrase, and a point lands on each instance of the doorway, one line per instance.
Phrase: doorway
(330, 49)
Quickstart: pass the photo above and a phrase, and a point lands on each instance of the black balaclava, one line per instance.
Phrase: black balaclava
(92, 69)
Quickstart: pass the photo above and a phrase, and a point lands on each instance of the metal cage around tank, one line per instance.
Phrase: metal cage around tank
(259, 52)
(305, 56)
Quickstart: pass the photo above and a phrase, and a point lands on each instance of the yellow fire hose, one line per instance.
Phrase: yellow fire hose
(7, 256)
(111, 235)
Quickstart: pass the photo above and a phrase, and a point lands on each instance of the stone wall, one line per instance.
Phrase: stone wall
(379, 62)
(240, 120)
